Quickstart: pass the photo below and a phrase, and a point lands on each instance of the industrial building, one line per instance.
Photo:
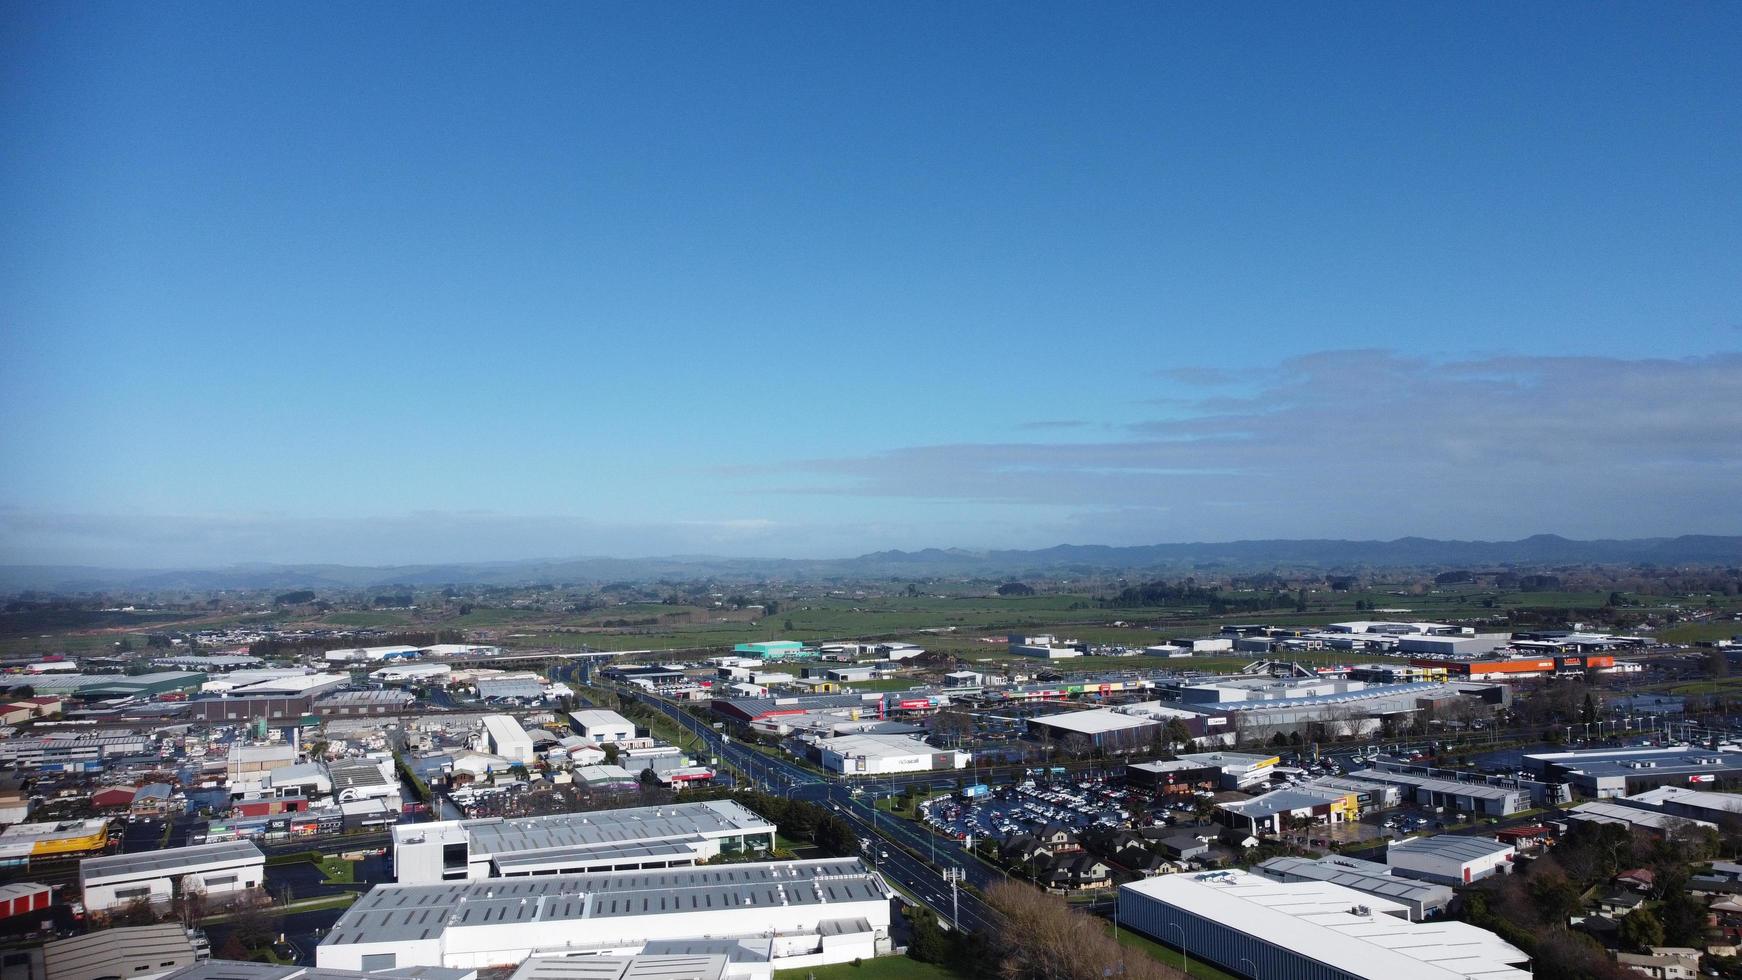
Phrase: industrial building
(364, 704)
(91, 687)
(1450, 859)
(293, 685)
(227, 709)
(70, 751)
(23, 842)
(121, 953)
(1103, 727)
(503, 736)
(1484, 798)
(1606, 773)
(565, 843)
(1693, 804)
(521, 685)
(412, 673)
(1251, 925)
(1423, 899)
(883, 754)
(817, 912)
(220, 872)
(600, 726)
(773, 650)
(1633, 817)
(1044, 646)
(693, 959)
(363, 655)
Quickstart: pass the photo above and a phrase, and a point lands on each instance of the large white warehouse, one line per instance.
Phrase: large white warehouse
(504, 737)
(221, 872)
(1250, 925)
(816, 912)
(570, 843)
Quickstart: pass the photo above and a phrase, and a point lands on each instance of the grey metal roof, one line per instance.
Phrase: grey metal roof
(1452, 846)
(1384, 885)
(109, 952)
(174, 860)
(396, 913)
(581, 830)
(508, 863)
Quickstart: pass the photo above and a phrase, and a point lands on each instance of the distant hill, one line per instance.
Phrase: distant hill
(1538, 550)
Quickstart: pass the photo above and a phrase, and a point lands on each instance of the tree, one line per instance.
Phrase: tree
(611, 753)
(1588, 711)
(1641, 929)
(1176, 734)
(930, 943)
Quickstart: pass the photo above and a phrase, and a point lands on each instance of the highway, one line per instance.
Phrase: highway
(908, 855)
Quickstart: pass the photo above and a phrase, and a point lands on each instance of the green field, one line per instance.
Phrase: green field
(881, 968)
(1701, 632)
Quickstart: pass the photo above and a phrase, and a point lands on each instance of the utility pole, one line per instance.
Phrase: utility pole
(953, 875)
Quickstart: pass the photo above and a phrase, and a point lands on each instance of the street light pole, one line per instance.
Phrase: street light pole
(1185, 957)
(953, 875)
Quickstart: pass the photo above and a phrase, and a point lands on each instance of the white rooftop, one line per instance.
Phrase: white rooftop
(1318, 920)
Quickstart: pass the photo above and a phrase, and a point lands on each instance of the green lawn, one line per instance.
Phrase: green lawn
(338, 870)
(1134, 941)
(881, 968)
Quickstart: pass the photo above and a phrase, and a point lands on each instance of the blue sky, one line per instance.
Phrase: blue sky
(440, 282)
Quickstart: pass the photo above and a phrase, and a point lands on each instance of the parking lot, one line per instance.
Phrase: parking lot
(1030, 807)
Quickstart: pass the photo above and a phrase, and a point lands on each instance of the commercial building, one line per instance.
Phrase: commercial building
(1272, 812)
(1423, 899)
(503, 736)
(1251, 925)
(1238, 770)
(219, 872)
(1606, 773)
(1450, 859)
(883, 754)
(599, 726)
(816, 912)
(566, 843)
(23, 842)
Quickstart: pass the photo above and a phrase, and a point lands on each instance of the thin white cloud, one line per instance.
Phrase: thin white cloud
(1364, 442)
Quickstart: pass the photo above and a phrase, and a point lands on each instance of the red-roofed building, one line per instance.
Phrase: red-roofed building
(114, 797)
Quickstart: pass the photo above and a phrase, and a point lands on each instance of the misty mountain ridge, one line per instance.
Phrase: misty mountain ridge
(1064, 559)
